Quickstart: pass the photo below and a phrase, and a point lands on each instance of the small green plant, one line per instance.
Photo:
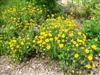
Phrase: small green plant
(91, 28)
(3, 49)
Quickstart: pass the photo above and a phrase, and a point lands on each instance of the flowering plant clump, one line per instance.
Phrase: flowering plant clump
(18, 48)
(60, 38)
(26, 12)
(18, 31)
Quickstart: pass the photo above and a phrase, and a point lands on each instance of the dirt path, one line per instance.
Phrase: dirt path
(35, 66)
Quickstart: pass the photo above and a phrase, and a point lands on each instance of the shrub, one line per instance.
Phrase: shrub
(49, 7)
(19, 48)
(96, 12)
(82, 8)
(91, 28)
(18, 30)
(60, 39)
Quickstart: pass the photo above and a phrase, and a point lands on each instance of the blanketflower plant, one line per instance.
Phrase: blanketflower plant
(60, 38)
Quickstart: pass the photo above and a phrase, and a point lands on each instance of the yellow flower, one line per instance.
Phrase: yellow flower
(58, 41)
(47, 40)
(76, 55)
(22, 43)
(90, 57)
(48, 47)
(93, 65)
(74, 42)
(51, 39)
(9, 43)
(14, 41)
(36, 37)
(93, 47)
(42, 33)
(56, 38)
(43, 43)
(50, 34)
(41, 37)
(88, 66)
(61, 45)
(82, 48)
(45, 35)
(80, 41)
(63, 35)
(12, 48)
(40, 41)
(63, 40)
(71, 34)
(79, 33)
(65, 30)
(33, 41)
(99, 54)
(77, 45)
(17, 46)
(87, 51)
(84, 36)
(14, 51)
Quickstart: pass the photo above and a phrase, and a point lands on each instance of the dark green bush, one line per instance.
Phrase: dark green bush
(91, 28)
(48, 6)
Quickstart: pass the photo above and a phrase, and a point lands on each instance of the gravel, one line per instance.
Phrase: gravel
(35, 66)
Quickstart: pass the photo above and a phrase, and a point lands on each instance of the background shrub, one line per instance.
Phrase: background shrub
(91, 28)
(82, 8)
(49, 7)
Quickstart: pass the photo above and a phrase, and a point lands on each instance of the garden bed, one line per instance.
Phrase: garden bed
(68, 35)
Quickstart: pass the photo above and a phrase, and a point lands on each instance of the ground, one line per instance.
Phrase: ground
(35, 66)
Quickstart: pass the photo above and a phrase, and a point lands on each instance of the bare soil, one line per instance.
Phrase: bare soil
(35, 66)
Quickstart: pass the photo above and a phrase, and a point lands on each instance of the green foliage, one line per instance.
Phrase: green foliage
(82, 8)
(60, 39)
(96, 12)
(2, 47)
(18, 31)
(48, 6)
(91, 28)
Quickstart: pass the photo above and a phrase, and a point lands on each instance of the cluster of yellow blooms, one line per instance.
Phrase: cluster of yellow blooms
(54, 30)
(60, 34)
(22, 18)
(13, 45)
(17, 44)
(44, 40)
(20, 29)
